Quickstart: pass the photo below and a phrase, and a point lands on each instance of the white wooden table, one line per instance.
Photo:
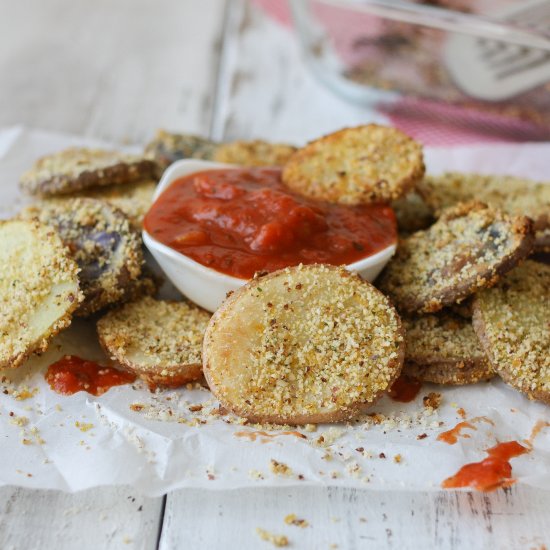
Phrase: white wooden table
(117, 71)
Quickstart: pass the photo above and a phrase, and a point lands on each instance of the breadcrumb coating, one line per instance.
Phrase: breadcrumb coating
(38, 289)
(356, 165)
(443, 348)
(468, 248)
(512, 321)
(254, 153)
(168, 147)
(74, 169)
(106, 248)
(306, 344)
(513, 195)
(134, 199)
(160, 341)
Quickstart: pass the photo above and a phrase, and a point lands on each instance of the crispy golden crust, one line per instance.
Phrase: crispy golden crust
(106, 248)
(305, 344)
(443, 348)
(513, 195)
(75, 169)
(512, 321)
(146, 285)
(412, 213)
(468, 248)
(356, 165)
(254, 153)
(450, 373)
(38, 289)
(134, 199)
(168, 147)
(159, 341)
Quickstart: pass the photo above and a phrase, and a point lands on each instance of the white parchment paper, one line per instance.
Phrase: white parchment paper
(162, 441)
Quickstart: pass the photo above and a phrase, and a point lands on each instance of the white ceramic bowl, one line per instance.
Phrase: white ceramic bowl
(208, 287)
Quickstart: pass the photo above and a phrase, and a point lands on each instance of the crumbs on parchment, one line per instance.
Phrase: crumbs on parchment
(293, 519)
(279, 541)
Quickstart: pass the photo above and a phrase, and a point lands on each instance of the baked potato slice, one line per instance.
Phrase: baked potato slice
(443, 348)
(106, 248)
(468, 248)
(159, 341)
(512, 321)
(305, 344)
(359, 165)
(78, 168)
(39, 289)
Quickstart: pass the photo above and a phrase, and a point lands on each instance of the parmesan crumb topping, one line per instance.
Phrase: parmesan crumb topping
(302, 345)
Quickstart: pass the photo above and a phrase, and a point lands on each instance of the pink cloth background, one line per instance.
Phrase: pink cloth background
(436, 123)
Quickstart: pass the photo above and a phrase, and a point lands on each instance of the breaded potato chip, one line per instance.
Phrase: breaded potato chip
(254, 153)
(38, 289)
(75, 169)
(513, 195)
(305, 344)
(468, 248)
(443, 348)
(134, 199)
(167, 147)
(356, 166)
(159, 341)
(512, 321)
(106, 248)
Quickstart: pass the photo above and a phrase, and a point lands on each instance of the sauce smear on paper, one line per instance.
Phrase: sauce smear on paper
(72, 374)
(451, 436)
(490, 474)
(405, 389)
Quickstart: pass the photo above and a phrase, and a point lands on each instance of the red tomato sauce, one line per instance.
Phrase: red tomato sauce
(405, 389)
(241, 221)
(451, 436)
(72, 374)
(490, 474)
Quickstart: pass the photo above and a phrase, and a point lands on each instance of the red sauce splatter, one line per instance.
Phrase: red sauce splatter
(405, 389)
(461, 412)
(490, 474)
(451, 436)
(266, 436)
(72, 374)
(242, 220)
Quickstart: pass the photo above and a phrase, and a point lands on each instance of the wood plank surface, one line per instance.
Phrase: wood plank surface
(106, 518)
(353, 519)
(111, 70)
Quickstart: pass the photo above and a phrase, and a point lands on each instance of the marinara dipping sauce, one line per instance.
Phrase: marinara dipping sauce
(242, 220)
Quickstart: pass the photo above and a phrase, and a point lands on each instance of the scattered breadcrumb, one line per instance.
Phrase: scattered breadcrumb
(279, 541)
(20, 421)
(280, 468)
(292, 519)
(83, 426)
(432, 400)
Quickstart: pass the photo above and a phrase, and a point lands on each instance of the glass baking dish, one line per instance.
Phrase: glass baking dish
(370, 58)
